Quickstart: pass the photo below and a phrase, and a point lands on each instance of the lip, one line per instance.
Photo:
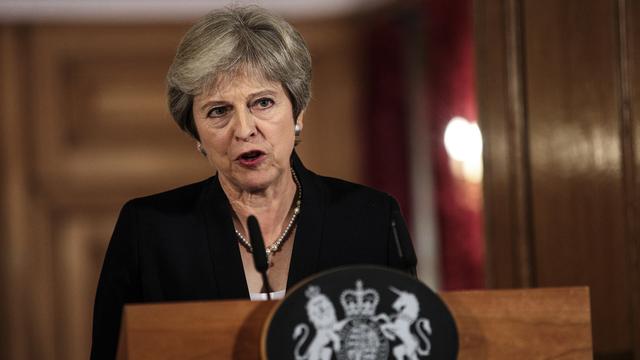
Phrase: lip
(253, 161)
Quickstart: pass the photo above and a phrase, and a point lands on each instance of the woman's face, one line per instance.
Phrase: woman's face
(246, 127)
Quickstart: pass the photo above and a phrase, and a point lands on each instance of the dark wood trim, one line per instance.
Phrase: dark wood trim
(502, 117)
(629, 35)
(12, 302)
(517, 110)
(4, 223)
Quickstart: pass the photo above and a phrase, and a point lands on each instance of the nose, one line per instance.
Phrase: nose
(245, 126)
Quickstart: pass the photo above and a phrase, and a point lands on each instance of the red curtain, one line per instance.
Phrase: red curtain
(450, 90)
(385, 111)
(445, 36)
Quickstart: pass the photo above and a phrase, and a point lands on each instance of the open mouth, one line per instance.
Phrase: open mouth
(251, 157)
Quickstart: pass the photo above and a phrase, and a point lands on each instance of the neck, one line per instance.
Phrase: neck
(272, 206)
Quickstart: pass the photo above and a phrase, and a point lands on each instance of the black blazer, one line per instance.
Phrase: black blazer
(180, 245)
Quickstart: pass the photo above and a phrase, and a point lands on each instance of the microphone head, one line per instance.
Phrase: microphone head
(257, 244)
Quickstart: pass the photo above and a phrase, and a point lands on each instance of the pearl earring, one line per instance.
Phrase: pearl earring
(201, 149)
(297, 130)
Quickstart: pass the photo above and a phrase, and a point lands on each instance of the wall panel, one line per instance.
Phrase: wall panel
(102, 122)
(579, 75)
(576, 164)
(331, 122)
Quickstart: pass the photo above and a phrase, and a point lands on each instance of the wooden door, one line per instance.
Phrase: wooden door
(558, 100)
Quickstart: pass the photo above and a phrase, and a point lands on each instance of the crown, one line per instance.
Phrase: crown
(312, 292)
(359, 302)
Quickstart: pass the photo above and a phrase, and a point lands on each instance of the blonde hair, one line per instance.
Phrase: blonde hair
(234, 39)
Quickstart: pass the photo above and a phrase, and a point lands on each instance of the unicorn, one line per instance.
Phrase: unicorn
(399, 326)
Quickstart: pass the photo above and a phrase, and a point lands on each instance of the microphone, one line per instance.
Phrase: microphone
(259, 253)
(406, 253)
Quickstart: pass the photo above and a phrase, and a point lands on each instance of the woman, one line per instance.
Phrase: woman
(239, 86)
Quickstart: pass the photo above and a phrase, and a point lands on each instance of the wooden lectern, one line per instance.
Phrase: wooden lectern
(550, 323)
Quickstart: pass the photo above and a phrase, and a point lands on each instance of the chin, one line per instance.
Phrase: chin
(257, 181)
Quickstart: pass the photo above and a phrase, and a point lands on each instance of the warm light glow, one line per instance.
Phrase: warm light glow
(463, 142)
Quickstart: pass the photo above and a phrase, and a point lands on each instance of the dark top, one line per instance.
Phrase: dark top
(180, 245)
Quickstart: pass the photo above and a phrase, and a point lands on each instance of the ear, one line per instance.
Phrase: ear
(300, 120)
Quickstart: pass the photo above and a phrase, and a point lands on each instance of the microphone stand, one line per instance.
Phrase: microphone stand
(259, 253)
(409, 259)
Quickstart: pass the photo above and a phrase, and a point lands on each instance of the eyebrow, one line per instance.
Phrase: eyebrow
(262, 93)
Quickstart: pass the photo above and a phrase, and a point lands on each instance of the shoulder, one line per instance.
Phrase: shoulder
(178, 200)
(342, 193)
(340, 198)
(357, 223)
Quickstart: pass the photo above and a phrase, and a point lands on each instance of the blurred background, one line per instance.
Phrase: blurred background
(506, 129)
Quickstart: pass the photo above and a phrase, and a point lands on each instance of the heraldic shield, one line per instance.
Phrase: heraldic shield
(360, 313)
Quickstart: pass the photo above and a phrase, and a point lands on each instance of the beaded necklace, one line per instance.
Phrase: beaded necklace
(277, 245)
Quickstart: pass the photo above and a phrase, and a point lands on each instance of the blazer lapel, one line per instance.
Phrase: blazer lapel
(223, 247)
(308, 238)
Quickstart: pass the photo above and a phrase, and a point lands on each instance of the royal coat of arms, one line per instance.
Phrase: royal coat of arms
(363, 334)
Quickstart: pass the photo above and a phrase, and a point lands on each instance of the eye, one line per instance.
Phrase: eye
(218, 111)
(264, 103)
